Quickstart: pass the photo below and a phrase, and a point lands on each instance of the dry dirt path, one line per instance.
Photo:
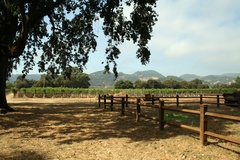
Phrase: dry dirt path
(71, 129)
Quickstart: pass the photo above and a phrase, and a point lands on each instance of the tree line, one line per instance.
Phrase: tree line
(81, 80)
(171, 83)
(77, 79)
(156, 83)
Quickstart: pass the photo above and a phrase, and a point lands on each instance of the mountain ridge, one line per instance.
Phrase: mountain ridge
(99, 79)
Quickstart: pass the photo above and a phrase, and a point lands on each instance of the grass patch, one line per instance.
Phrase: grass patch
(227, 122)
(181, 117)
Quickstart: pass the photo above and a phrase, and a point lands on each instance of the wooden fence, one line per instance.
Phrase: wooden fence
(175, 100)
(203, 130)
(203, 114)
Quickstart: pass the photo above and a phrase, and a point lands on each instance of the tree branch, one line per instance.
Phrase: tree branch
(28, 21)
(23, 16)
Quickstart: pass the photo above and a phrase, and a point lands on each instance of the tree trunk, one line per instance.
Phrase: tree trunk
(4, 107)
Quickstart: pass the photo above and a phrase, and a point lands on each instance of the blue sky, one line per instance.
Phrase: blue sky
(191, 37)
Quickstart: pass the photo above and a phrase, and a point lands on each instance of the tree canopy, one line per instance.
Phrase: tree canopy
(156, 83)
(76, 80)
(123, 84)
(236, 84)
(61, 33)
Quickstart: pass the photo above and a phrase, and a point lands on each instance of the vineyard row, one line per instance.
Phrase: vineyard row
(79, 92)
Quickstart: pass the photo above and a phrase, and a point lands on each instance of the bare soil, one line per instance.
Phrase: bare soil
(59, 129)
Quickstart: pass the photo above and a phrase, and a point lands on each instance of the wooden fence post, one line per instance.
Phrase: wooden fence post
(105, 101)
(152, 99)
(126, 100)
(138, 110)
(111, 106)
(239, 103)
(99, 100)
(218, 101)
(203, 124)
(122, 113)
(201, 99)
(34, 96)
(177, 96)
(161, 115)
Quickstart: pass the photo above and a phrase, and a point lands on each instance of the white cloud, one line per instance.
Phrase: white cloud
(189, 27)
(180, 48)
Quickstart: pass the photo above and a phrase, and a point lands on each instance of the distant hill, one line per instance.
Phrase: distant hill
(99, 79)
(231, 74)
(146, 75)
(174, 77)
(189, 77)
(30, 76)
(217, 79)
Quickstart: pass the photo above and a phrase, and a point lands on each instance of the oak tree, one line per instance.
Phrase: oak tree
(61, 33)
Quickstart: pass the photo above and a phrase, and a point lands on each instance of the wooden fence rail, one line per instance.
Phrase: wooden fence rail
(203, 113)
(203, 122)
(176, 100)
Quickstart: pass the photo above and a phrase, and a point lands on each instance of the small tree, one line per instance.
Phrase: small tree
(121, 84)
(236, 84)
(140, 84)
(152, 83)
(76, 80)
(128, 84)
(46, 80)
(197, 83)
(22, 82)
(184, 84)
(9, 85)
(171, 83)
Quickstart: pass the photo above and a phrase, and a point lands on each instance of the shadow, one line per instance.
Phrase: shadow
(225, 148)
(75, 122)
(23, 155)
(216, 125)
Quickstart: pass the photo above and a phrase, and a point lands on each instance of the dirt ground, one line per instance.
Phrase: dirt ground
(73, 129)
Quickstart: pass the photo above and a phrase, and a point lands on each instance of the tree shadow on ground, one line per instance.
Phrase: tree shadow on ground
(23, 155)
(76, 122)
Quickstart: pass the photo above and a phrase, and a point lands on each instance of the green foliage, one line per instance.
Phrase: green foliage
(14, 90)
(9, 85)
(121, 84)
(76, 80)
(180, 117)
(64, 31)
(140, 84)
(22, 82)
(57, 92)
(151, 83)
(76, 92)
(183, 84)
(236, 84)
(197, 83)
(171, 83)
(237, 81)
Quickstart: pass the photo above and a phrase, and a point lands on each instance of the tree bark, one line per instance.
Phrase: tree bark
(4, 107)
